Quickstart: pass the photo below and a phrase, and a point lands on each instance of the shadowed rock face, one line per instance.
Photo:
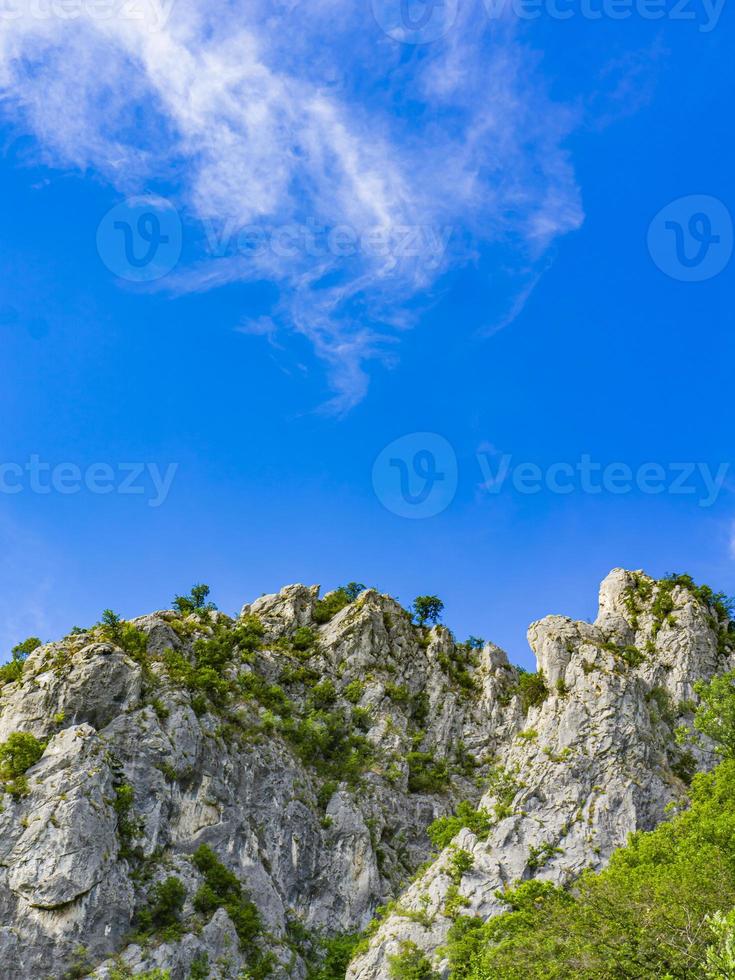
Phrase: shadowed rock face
(315, 771)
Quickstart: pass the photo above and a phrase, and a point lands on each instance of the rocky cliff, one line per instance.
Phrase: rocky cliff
(213, 796)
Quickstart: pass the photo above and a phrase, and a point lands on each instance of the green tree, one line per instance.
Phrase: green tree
(353, 589)
(335, 956)
(427, 609)
(649, 914)
(720, 956)
(112, 625)
(715, 716)
(13, 671)
(21, 650)
(195, 601)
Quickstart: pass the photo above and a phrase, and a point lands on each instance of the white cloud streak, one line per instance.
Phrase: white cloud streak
(288, 113)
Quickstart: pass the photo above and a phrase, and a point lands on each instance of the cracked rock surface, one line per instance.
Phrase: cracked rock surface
(315, 768)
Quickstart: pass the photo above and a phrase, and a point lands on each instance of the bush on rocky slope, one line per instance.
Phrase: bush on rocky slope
(664, 907)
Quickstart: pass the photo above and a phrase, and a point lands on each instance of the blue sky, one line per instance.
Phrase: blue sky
(556, 324)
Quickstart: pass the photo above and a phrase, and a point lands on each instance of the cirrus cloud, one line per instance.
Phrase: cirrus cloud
(288, 115)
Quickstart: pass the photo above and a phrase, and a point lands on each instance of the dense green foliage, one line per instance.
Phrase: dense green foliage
(664, 907)
(716, 714)
(206, 674)
(334, 956)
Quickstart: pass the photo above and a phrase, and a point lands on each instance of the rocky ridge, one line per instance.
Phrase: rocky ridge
(307, 746)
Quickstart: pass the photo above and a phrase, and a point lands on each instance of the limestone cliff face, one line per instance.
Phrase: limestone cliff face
(312, 762)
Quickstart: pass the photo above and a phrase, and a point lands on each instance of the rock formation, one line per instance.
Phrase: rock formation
(309, 745)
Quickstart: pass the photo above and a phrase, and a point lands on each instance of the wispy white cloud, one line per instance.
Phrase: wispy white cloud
(283, 114)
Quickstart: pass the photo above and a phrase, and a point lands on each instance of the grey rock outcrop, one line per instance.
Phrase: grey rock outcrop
(311, 762)
(591, 762)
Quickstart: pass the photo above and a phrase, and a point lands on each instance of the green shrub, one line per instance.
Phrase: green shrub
(323, 695)
(533, 689)
(206, 676)
(715, 716)
(248, 633)
(195, 601)
(303, 639)
(685, 766)
(529, 735)
(121, 971)
(354, 691)
(126, 826)
(199, 969)
(420, 707)
(223, 889)
(362, 719)
(649, 914)
(334, 601)
(444, 829)
(504, 787)
(334, 957)
(18, 753)
(330, 605)
(460, 862)
(163, 911)
(80, 964)
(410, 964)
(426, 774)
(398, 693)
(24, 649)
